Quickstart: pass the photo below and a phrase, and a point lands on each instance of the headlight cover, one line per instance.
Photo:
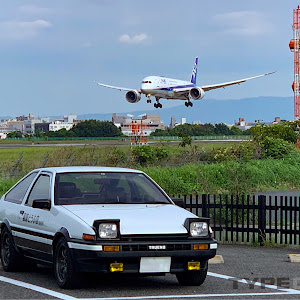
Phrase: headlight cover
(198, 229)
(108, 230)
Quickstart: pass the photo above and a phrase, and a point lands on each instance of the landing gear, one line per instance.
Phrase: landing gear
(149, 100)
(157, 104)
(188, 103)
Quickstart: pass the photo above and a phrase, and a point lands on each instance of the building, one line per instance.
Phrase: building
(241, 124)
(150, 123)
(173, 122)
(58, 125)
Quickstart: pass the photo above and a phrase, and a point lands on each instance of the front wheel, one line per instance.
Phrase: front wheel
(10, 258)
(192, 278)
(64, 270)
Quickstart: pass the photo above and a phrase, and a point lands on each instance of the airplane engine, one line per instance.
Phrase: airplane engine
(133, 96)
(196, 93)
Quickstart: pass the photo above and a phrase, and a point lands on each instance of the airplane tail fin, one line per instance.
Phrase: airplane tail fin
(194, 73)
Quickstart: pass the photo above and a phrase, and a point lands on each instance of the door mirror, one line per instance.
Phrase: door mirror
(178, 201)
(41, 203)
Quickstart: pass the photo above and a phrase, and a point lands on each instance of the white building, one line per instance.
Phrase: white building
(149, 123)
(2, 135)
(57, 125)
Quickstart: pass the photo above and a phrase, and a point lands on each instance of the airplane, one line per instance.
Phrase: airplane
(168, 88)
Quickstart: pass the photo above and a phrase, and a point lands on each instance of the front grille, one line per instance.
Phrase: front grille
(154, 237)
(169, 247)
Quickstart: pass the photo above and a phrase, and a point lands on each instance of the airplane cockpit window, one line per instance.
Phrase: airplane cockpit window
(146, 81)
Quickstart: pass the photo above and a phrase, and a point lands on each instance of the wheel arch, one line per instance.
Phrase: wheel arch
(62, 233)
(4, 224)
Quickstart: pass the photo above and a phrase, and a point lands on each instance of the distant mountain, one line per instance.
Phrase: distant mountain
(217, 111)
(5, 118)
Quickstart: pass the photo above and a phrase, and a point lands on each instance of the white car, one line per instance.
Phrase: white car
(97, 219)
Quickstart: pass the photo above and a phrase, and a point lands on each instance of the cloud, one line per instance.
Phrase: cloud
(134, 39)
(16, 30)
(247, 23)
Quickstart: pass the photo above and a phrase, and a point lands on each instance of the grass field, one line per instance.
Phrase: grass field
(181, 173)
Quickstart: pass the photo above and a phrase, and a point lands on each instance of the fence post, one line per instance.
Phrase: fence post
(14, 168)
(261, 219)
(204, 206)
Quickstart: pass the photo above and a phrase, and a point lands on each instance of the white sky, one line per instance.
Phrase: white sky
(51, 51)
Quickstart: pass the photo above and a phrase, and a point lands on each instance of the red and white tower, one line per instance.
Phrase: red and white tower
(294, 46)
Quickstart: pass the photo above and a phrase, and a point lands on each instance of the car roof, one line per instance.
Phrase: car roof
(87, 169)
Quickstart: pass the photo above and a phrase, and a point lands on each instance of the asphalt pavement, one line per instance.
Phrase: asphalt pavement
(270, 266)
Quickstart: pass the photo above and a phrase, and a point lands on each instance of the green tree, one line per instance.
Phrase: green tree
(222, 129)
(236, 131)
(14, 134)
(95, 128)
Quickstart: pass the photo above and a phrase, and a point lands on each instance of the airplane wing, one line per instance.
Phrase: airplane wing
(114, 87)
(223, 85)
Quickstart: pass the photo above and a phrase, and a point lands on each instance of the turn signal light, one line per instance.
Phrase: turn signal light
(200, 246)
(111, 248)
(88, 237)
(116, 267)
(193, 265)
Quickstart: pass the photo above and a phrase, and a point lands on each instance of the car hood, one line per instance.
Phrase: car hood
(136, 218)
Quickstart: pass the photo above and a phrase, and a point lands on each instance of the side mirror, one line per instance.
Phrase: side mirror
(178, 201)
(41, 203)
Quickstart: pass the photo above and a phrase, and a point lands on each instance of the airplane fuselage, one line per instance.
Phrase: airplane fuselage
(163, 87)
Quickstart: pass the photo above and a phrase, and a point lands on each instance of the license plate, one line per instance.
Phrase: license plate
(155, 264)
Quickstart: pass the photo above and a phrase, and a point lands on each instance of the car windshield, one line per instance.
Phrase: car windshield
(106, 188)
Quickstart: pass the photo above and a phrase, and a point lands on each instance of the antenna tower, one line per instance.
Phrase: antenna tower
(295, 47)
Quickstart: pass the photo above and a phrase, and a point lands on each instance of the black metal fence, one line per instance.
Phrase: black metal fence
(249, 219)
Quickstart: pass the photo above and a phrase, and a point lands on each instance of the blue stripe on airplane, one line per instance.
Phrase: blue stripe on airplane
(176, 87)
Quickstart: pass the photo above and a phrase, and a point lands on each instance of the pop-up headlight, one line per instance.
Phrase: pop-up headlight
(198, 229)
(108, 231)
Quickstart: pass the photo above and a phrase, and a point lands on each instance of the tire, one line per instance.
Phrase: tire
(64, 270)
(192, 278)
(11, 260)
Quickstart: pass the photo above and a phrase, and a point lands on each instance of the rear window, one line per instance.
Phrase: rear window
(106, 188)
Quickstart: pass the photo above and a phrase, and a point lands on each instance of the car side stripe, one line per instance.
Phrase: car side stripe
(32, 237)
(32, 233)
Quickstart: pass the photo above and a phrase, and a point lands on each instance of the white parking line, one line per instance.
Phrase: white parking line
(191, 296)
(36, 288)
(281, 291)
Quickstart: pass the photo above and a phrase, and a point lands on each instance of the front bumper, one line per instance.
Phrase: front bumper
(130, 255)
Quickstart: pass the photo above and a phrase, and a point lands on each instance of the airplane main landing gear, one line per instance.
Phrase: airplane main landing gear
(188, 103)
(157, 105)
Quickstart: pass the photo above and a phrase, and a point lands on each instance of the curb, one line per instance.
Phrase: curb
(218, 259)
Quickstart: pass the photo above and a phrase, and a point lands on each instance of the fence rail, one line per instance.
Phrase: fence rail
(249, 219)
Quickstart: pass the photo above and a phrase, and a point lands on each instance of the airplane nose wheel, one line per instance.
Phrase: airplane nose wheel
(188, 103)
(148, 100)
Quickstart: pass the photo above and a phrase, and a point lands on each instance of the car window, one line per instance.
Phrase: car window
(40, 190)
(106, 188)
(18, 192)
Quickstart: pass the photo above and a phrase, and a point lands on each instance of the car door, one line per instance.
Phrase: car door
(37, 232)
